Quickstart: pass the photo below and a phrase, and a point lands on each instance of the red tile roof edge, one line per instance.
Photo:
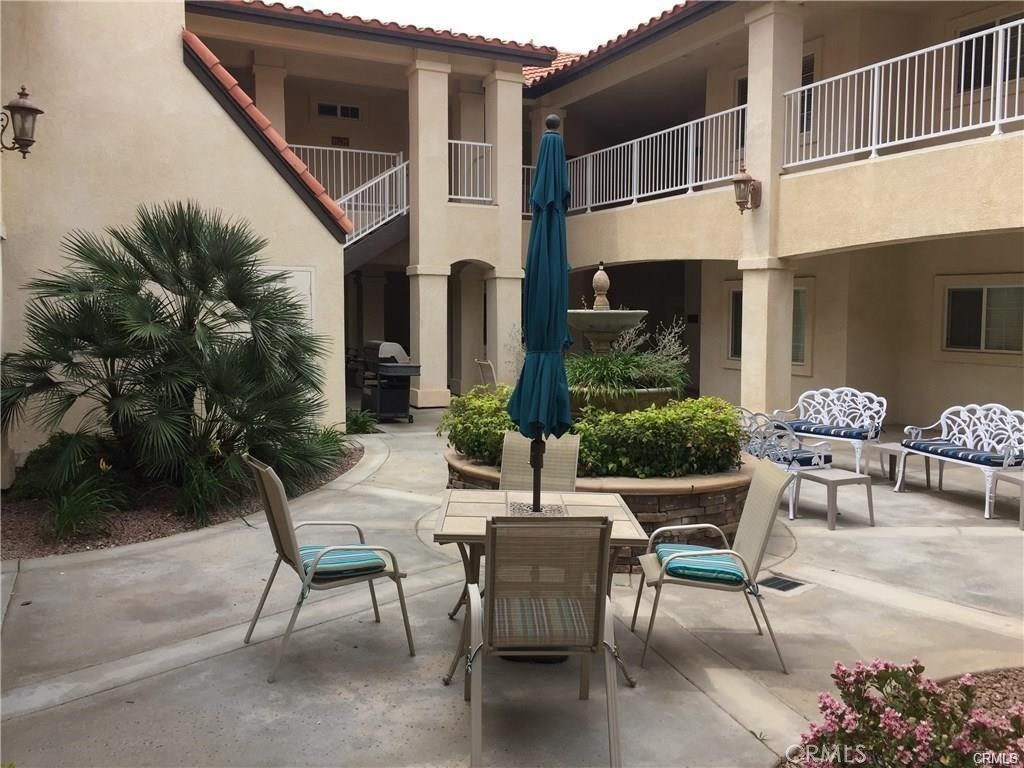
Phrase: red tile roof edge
(651, 27)
(265, 9)
(247, 107)
(564, 59)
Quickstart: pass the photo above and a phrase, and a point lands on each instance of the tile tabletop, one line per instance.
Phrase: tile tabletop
(464, 513)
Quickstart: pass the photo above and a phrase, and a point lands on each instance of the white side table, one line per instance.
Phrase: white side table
(893, 451)
(832, 479)
(1015, 476)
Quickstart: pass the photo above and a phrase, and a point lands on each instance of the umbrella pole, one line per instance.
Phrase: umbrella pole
(537, 462)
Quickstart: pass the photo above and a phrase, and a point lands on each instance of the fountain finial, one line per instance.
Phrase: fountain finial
(601, 285)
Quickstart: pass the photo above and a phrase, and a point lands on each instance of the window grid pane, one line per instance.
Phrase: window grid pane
(799, 325)
(1004, 319)
(736, 323)
(963, 318)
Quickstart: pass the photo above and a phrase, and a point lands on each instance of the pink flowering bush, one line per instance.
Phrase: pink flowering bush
(892, 715)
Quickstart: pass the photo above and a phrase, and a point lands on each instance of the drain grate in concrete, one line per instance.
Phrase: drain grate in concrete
(780, 583)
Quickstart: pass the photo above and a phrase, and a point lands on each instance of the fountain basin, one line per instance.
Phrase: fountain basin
(602, 326)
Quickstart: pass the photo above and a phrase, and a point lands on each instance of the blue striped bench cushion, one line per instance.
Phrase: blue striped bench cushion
(722, 568)
(953, 451)
(850, 433)
(529, 621)
(340, 563)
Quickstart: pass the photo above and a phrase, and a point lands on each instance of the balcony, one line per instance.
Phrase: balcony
(935, 95)
(470, 172)
(674, 161)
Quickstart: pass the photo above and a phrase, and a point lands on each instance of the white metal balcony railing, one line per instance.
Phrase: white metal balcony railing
(470, 172)
(677, 159)
(342, 170)
(378, 201)
(971, 83)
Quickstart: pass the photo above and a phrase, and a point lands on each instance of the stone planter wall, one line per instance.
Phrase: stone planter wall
(656, 502)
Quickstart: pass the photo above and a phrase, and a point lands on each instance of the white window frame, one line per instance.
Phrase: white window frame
(806, 368)
(940, 303)
(314, 109)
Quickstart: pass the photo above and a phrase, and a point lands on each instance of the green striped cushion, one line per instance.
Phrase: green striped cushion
(721, 568)
(340, 562)
(528, 621)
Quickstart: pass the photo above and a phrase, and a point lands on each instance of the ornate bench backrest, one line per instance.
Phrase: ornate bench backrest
(767, 438)
(990, 427)
(842, 407)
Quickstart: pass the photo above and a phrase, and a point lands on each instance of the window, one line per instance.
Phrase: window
(347, 111)
(806, 100)
(801, 324)
(977, 61)
(985, 318)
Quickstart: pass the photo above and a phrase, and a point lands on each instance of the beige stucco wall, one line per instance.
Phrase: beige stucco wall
(383, 124)
(966, 187)
(127, 124)
(875, 326)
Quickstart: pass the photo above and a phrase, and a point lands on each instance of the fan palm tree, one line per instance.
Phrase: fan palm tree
(170, 338)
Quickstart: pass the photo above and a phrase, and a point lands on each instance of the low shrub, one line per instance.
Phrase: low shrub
(892, 715)
(476, 423)
(698, 436)
(65, 460)
(360, 422)
(684, 437)
(83, 508)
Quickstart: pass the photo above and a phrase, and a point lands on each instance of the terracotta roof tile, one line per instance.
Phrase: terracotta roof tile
(561, 61)
(259, 120)
(358, 23)
(651, 27)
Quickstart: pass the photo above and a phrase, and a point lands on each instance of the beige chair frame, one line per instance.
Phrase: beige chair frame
(561, 457)
(759, 511)
(275, 505)
(479, 622)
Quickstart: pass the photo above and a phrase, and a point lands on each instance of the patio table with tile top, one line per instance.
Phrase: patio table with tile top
(464, 515)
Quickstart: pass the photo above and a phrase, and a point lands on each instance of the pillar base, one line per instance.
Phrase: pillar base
(429, 398)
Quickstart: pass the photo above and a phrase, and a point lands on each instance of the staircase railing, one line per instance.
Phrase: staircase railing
(378, 201)
(343, 170)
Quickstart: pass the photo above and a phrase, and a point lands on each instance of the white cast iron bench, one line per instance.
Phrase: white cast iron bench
(842, 413)
(988, 437)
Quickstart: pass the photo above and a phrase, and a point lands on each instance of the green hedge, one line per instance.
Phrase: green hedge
(684, 437)
(699, 436)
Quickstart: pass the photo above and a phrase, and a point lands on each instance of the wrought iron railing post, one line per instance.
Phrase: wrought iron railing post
(589, 183)
(691, 155)
(636, 171)
(876, 107)
(998, 85)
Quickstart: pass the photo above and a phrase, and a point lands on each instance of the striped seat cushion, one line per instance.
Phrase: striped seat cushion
(530, 621)
(721, 568)
(805, 457)
(341, 563)
(806, 427)
(949, 450)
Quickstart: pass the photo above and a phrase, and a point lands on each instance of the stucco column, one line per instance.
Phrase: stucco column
(537, 127)
(766, 364)
(775, 49)
(428, 162)
(428, 334)
(504, 113)
(504, 322)
(269, 86)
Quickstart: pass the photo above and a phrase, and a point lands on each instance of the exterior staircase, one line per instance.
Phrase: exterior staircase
(372, 188)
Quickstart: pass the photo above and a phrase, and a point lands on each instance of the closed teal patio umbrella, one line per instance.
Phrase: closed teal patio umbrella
(539, 406)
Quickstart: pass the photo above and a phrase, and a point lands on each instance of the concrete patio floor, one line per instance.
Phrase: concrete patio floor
(133, 656)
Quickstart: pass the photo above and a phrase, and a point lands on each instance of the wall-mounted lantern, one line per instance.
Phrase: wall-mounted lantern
(20, 114)
(747, 190)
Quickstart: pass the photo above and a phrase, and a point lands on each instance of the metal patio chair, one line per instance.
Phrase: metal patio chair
(318, 566)
(732, 569)
(546, 596)
(561, 456)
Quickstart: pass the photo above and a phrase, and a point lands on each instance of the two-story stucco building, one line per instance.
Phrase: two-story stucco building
(387, 166)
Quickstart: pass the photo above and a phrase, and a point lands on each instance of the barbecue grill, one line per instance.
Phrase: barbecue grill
(386, 380)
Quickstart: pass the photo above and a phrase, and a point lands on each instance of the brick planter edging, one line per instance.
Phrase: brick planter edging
(656, 502)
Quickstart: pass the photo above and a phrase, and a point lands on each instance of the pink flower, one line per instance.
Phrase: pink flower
(893, 724)
(967, 679)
